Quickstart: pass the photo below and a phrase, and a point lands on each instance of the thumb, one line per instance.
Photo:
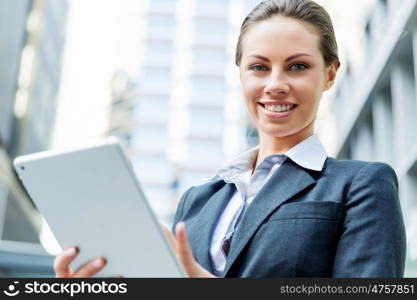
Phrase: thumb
(186, 256)
(170, 236)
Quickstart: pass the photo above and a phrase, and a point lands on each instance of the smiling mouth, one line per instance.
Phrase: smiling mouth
(278, 108)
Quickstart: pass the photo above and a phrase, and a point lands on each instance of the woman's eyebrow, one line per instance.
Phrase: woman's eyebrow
(295, 56)
(259, 56)
(286, 60)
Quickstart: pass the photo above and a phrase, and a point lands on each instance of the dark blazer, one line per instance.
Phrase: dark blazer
(343, 221)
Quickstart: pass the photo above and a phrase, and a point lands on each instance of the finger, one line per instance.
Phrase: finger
(62, 262)
(90, 268)
(170, 236)
(191, 266)
(184, 250)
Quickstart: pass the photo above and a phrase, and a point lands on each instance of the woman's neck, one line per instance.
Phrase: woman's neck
(269, 145)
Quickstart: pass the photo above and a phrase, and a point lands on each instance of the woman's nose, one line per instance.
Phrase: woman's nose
(277, 84)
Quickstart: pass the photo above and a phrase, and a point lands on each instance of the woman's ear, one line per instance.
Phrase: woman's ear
(331, 72)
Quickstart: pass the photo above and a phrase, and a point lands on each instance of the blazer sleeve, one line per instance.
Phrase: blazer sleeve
(373, 238)
(180, 209)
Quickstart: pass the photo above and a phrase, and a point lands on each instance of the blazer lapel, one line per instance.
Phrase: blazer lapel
(287, 181)
(201, 227)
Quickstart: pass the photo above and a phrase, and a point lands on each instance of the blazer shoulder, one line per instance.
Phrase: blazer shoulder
(206, 188)
(196, 196)
(354, 172)
(354, 166)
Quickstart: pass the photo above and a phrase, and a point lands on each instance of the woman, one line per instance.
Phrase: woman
(285, 209)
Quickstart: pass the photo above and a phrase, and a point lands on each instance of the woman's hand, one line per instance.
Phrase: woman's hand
(63, 270)
(184, 253)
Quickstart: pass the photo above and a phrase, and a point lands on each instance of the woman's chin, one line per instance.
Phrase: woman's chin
(269, 129)
(273, 131)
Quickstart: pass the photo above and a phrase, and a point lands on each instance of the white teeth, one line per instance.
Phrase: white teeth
(279, 108)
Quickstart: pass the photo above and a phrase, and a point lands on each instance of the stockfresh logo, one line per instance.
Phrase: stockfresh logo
(12, 290)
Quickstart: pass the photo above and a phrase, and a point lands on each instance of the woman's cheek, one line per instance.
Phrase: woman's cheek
(309, 86)
(252, 86)
(306, 95)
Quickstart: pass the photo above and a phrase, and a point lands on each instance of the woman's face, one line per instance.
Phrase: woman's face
(283, 75)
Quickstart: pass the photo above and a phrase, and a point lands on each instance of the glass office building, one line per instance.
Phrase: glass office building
(31, 38)
(181, 110)
(375, 104)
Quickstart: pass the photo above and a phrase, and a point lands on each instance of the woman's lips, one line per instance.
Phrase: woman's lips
(276, 114)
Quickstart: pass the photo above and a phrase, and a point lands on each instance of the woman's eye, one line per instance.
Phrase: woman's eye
(258, 68)
(298, 67)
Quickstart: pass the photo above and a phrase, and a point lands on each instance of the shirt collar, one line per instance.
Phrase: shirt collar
(309, 154)
(239, 164)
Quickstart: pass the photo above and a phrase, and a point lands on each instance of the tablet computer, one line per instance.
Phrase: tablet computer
(91, 198)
